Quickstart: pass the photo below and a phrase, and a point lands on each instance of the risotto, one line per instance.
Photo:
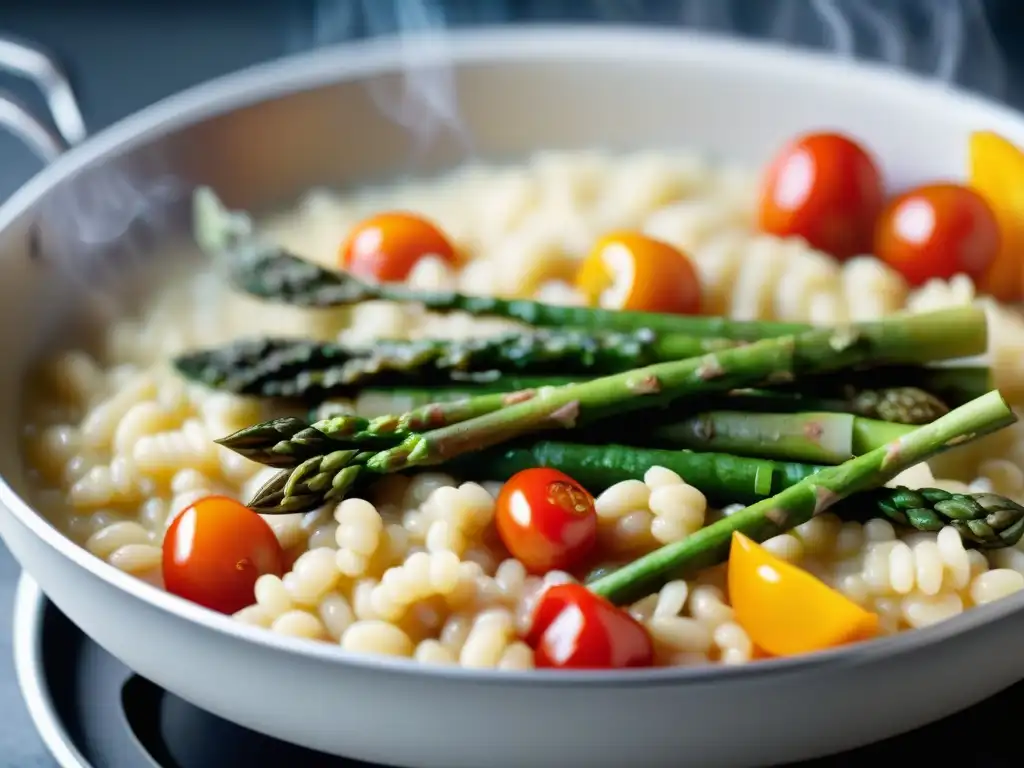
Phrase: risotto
(451, 567)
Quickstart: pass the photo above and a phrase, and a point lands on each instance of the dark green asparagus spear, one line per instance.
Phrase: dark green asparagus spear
(296, 368)
(984, 520)
(802, 501)
(269, 272)
(723, 478)
(952, 385)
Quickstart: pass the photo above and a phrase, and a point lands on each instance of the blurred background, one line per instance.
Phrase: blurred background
(123, 55)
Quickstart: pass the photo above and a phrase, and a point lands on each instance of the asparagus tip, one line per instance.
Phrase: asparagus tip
(213, 224)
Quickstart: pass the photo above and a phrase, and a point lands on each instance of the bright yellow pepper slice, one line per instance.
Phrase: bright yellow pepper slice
(997, 174)
(784, 609)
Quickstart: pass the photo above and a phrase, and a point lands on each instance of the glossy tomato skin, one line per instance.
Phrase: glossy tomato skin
(938, 230)
(214, 551)
(546, 519)
(572, 628)
(386, 247)
(825, 188)
(632, 271)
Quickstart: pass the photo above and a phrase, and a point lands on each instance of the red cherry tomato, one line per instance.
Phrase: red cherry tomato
(573, 628)
(387, 246)
(825, 188)
(546, 519)
(938, 230)
(215, 550)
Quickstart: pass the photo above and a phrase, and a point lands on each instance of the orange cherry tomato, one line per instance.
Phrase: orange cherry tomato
(997, 174)
(546, 519)
(938, 230)
(387, 246)
(572, 628)
(215, 550)
(784, 609)
(825, 188)
(630, 271)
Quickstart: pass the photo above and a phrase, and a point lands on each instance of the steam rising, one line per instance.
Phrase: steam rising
(424, 101)
(929, 37)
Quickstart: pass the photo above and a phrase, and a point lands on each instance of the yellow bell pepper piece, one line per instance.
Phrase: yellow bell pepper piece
(997, 174)
(784, 609)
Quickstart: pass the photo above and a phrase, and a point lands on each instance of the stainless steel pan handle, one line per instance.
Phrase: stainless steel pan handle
(65, 127)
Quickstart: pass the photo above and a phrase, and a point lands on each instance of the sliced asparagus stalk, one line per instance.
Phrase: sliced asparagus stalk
(723, 478)
(802, 501)
(819, 437)
(912, 338)
(296, 368)
(270, 272)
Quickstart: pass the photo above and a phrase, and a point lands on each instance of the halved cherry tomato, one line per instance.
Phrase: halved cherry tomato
(628, 270)
(937, 230)
(546, 519)
(215, 550)
(387, 246)
(997, 173)
(784, 609)
(825, 188)
(573, 628)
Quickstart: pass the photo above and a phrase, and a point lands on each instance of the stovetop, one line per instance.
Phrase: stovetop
(110, 718)
(124, 55)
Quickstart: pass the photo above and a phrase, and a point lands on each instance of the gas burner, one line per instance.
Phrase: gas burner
(93, 712)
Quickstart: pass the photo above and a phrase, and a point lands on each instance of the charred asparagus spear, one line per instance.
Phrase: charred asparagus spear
(311, 369)
(296, 368)
(269, 272)
(809, 497)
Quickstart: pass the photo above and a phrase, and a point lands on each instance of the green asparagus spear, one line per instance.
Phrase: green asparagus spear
(901, 405)
(811, 496)
(948, 333)
(721, 477)
(289, 441)
(911, 338)
(985, 520)
(297, 368)
(820, 437)
(270, 272)
(373, 402)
